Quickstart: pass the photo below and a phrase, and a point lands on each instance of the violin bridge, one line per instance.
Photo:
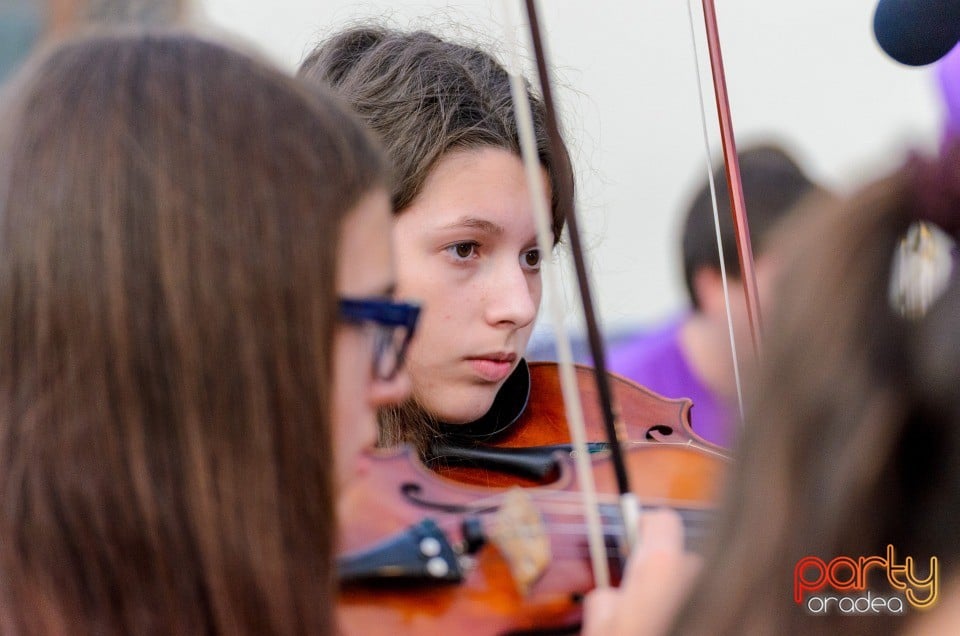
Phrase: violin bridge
(520, 534)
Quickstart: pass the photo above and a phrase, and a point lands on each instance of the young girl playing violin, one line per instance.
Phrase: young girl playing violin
(465, 238)
(195, 263)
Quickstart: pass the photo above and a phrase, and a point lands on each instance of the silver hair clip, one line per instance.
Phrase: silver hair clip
(922, 267)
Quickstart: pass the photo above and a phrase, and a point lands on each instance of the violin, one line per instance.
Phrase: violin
(421, 554)
(428, 549)
(523, 451)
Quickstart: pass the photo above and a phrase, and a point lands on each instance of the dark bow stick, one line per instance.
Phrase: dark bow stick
(614, 432)
(744, 251)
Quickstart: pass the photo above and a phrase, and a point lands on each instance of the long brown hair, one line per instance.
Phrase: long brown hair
(169, 211)
(424, 97)
(853, 443)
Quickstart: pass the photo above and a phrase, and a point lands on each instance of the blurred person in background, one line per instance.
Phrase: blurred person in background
(690, 355)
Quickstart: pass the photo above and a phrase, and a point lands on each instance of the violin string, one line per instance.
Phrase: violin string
(612, 526)
(616, 530)
(568, 550)
(607, 514)
(571, 504)
(716, 452)
(562, 502)
(549, 275)
(612, 552)
(556, 502)
(696, 523)
(633, 444)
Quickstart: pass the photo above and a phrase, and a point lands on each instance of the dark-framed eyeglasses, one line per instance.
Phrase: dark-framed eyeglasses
(393, 327)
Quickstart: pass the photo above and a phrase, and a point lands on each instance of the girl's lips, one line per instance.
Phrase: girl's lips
(491, 370)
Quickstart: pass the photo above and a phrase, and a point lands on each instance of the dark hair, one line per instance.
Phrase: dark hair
(425, 97)
(169, 213)
(853, 440)
(773, 184)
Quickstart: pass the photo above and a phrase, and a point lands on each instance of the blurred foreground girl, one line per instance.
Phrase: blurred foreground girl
(195, 264)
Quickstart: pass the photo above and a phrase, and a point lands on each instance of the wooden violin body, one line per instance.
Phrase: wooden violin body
(647, 418)
(478, 589)
(396, 491)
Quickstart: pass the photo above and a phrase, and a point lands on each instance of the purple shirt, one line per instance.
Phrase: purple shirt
(655, 360)
(948, 76)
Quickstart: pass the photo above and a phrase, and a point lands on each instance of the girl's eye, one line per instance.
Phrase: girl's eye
(531, 259)
(464, 250)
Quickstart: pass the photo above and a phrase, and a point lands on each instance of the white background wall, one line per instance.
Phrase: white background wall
(806, 73)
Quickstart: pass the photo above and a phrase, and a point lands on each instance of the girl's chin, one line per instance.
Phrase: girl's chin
(465, 407)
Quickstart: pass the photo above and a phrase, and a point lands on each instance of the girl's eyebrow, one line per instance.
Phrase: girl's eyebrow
(475, 223)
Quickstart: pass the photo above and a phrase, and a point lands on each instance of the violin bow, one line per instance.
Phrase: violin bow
(629, 507)
(568, 383)
(738, 208)
(738, 213)
(613, 429)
